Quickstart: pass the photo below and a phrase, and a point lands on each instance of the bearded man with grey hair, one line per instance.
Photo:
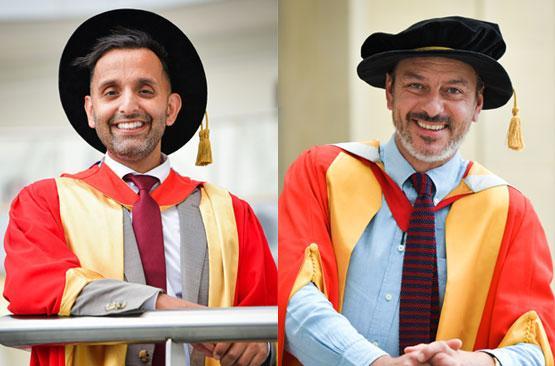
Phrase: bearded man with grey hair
(404, 253)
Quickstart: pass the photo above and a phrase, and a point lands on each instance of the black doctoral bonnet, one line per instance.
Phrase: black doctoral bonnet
(475, 42)
(184, 65)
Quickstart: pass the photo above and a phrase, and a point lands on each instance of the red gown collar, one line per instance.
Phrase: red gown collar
(173, 190)
(400, 206)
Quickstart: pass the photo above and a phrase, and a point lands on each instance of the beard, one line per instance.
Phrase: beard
(406, 140)
(131, 148)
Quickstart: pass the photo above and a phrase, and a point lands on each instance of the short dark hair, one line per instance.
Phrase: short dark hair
(123, 38)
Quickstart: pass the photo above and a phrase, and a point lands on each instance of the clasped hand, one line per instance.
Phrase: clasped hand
(439, 353)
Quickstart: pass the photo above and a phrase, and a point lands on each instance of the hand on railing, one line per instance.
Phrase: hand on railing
(166, 302)
(241, 353)
(236, 353)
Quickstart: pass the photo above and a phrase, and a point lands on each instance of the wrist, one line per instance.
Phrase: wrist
(488, 358)
(382, 360)
(165, 302)
(494, 359)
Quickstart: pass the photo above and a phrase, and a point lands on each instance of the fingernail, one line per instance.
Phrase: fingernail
(420, 357)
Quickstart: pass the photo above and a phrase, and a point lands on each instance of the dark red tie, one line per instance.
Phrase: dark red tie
(147, 226)
(419, 308)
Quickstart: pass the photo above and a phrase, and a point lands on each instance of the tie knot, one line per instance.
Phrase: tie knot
(143, 182)
(423, 184)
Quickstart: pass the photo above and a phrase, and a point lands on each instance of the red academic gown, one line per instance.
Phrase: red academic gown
(39, 258)
(501, 298)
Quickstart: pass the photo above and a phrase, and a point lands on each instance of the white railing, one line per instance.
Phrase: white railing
(176, 326)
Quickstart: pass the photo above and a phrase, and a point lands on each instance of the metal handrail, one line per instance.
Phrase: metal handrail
(190, 326)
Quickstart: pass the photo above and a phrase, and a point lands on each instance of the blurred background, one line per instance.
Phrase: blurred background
(322, 100)
(237, 42)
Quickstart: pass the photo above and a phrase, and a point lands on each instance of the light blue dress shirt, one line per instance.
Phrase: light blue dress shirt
(368, 327)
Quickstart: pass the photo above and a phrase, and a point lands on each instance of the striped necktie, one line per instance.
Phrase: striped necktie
(419, 308)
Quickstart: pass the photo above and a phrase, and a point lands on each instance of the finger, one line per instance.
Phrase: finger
(443, 359)
(204, 348)
(220, 349)
(251, 349)
(261, 355)
(426, 353)
(209, 346)
(454, 343)
(411, 359)
(233, 354)
(417, 347)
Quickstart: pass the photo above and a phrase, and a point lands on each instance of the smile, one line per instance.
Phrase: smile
(430, 126)
(129, 125)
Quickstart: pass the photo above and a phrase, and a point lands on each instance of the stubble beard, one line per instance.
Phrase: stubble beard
(406, 141)
(136, 148)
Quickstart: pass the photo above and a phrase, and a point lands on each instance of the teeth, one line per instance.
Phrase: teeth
(129, 125)
(432, 127)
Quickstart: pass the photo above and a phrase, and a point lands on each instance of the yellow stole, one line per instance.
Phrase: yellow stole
(93, 227)
(474, 232)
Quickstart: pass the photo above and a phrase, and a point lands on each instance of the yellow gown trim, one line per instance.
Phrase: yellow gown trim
(93, 227)
(217, 213)
(223, 244)
(529, 329)
(354, 198)
(311, 271)
(474, 232)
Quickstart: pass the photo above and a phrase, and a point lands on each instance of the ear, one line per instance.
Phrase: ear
(174, 106)
(89, 111)
(479, 106)
(389, 91)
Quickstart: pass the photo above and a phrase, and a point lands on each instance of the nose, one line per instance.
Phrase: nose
(432, 104)
(128, 103)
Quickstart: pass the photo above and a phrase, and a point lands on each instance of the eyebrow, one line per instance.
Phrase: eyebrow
(458, 81)
(413, 75)
(147, 81)
(106, 83)
(141, 81)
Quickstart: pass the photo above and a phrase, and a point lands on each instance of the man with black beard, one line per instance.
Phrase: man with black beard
(404, 253)
(129, 233)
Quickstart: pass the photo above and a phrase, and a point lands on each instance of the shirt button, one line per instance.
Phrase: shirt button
(388, 297)
(144, 356)
(401, 248)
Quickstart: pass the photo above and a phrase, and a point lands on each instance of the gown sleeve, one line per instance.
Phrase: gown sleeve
(257, 275)
(37, 257)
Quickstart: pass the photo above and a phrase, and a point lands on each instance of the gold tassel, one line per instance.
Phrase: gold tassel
(514, 136)
(204, 155)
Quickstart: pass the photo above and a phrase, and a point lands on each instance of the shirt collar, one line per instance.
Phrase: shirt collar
(445, 177)
(161, 171)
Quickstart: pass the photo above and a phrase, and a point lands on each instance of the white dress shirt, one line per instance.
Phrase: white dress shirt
(170, 224)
